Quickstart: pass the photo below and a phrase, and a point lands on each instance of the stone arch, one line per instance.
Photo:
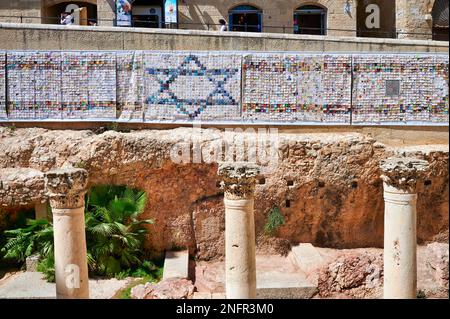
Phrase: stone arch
(51, 10)
(440, 20)
(49, 3)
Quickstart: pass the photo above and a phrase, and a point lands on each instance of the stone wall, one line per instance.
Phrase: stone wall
(275, 16)
(10, 11)
(327, 184)
(56, 37)
(414, 16)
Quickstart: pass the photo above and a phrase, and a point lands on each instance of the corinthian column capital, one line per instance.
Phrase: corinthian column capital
(66, 187)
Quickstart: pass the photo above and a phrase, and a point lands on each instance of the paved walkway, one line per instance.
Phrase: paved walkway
(32, 285)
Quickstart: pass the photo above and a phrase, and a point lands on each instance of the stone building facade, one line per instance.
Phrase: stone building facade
(417, 19)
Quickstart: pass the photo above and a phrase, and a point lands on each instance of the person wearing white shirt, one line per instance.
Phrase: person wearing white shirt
(223, 25)
(66, 18)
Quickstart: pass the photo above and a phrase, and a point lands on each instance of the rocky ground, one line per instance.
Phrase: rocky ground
(324, 274)
(327, 185)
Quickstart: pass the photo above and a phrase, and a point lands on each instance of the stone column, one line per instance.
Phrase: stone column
(40, 210)
(400, 177)
(238, 183)
(66, 189)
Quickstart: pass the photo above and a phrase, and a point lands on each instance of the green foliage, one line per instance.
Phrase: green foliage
(149, 270)
(114, 234)
(36, 237)
(47, 267)
(274, 221)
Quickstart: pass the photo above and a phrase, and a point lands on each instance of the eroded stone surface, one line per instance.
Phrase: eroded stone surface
(404, 172)
(66, 187)
(172, 288)
(336, 196)
(21, 187)
(238, 179)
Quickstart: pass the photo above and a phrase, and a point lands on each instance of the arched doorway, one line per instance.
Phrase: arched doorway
(245, 18)
(440, 20)
(310, 19)
(52, 11)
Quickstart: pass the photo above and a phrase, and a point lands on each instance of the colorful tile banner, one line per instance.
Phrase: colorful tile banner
(192, 86)
(298, 89)
(400, 89)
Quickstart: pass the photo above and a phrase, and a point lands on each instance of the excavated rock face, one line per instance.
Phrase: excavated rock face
(327, 186)
(172, 288)
(353, 275)
(20, 187)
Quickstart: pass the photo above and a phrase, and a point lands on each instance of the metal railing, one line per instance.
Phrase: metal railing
(234, 28)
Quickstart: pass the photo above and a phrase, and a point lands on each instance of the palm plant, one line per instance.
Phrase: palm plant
(36, 237)
(114, 233)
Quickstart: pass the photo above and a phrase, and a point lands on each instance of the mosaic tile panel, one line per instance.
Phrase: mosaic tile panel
(34, 85)
(3, 114)
(24, 70)
(190, 86)
(297, 88)
(130, 85)
(89, 85)
(400, 89)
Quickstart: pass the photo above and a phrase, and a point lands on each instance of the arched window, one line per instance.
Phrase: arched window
(440, 20)
(245, 18)
(310, 19)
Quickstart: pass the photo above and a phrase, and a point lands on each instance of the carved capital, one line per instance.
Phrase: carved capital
(238, 179)
(66, 187)
(402, 173)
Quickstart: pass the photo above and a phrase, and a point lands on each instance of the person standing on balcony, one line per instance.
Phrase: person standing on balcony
(68, 18)
(223, 25)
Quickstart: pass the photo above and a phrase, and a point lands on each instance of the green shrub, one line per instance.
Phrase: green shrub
(47, 267)
(36, 237)
(114, 235)
(274, 221)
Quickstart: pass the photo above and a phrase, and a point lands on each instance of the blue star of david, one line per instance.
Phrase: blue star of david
(218, 96)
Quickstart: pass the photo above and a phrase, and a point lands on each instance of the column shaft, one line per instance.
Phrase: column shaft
(400, 261)
(71, 271)
(240, 259)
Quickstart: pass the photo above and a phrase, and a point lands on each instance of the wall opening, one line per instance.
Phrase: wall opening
(440, 20)
(245, 19)
(147, 14)
(87, 16)
(310, 19)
